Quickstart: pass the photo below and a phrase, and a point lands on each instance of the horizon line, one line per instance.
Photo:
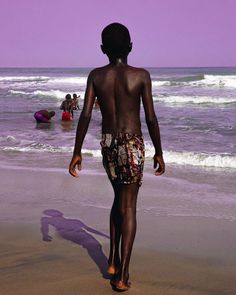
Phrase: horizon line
(91, 67)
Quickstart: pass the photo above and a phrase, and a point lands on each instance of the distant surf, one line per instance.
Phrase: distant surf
(195, 108)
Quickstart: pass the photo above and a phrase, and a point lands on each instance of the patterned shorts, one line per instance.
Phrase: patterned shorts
(123, 157)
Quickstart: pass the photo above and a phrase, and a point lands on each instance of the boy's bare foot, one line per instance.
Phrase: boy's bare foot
(113, 266)
(111, 270)
(120, 285)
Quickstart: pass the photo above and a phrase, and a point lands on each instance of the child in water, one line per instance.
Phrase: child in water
(76, 101)
(67, 107)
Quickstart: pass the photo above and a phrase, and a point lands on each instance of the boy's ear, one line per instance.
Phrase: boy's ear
(103, 49)
(130, 46)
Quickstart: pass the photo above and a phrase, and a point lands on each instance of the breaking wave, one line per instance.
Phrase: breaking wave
(228, 81)
(180, 158)
(198, 100)
(48, 93)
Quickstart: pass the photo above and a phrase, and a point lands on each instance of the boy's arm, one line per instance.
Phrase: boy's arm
(82, 127)
(152, 123)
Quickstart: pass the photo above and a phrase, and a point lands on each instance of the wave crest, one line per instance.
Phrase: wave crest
(228, 81)
(51, 93)
(171, 157)
(203, 100)
(23, 78)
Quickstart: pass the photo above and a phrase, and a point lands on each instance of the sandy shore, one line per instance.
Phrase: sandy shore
(172, 255)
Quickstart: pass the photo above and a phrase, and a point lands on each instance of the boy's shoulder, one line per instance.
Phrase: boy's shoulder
(139, 73)
(143, 73)
(95, 72)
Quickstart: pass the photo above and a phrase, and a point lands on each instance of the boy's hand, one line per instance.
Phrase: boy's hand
(160, 161)
(76, 161)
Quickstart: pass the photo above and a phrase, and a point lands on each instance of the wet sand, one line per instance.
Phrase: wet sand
(172, 255)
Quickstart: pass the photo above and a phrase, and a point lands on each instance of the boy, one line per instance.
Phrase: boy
(119, 89)
(76, 101)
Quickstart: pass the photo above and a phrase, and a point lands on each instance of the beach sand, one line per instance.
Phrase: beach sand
(172, 255)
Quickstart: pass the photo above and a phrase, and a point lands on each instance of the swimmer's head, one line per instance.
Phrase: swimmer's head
(116, 41)
(52, 113)
(68, 96)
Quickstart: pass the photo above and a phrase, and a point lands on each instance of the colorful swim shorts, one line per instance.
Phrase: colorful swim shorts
(123, 157)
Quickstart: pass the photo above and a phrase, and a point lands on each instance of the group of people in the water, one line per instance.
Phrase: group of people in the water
(68, 106)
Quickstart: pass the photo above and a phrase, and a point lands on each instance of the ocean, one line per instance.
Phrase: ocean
(196, 112)
(195, 108)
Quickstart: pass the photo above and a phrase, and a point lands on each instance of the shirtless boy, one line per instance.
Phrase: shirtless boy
(119, 89)
(67, 107)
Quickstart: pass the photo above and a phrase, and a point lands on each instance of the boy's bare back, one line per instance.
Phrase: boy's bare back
(119, 89)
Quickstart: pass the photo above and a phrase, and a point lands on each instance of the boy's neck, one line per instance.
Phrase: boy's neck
(118, 61)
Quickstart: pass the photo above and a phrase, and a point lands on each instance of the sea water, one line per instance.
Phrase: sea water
(195, 108)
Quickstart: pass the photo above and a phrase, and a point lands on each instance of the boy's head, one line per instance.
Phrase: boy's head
(116, 41)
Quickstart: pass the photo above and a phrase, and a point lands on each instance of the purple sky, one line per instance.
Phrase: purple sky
(66, 33)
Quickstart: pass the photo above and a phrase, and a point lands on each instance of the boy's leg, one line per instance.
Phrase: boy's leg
(127, 210)
(115, 233)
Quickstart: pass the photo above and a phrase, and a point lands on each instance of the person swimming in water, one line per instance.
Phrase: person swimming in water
(44, 116)
(67, 107)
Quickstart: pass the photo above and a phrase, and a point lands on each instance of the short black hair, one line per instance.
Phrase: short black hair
(116, 40)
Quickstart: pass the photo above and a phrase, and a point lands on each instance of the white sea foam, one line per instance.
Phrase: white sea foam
(19, 92)
(180, 158)
(48, 93)
(195, 100)
(24, 78)
(160, 83)
(45, 80)
(228, 81)
(69, 80)
(39, 147)
(53, 93)
(201, 159)
(45, 93)
(220, 80)
(195, 159)
(8, 138)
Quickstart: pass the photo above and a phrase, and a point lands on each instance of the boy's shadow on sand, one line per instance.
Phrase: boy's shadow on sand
(76, 231)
